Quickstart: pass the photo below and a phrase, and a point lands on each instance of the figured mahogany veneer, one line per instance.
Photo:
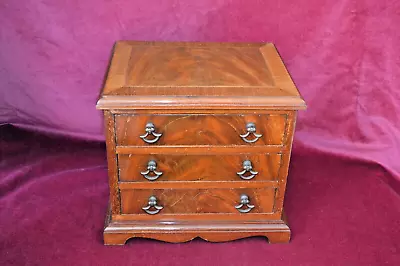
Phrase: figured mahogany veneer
(199, 137)
(201, 129)
(196, 201)
(187, 167)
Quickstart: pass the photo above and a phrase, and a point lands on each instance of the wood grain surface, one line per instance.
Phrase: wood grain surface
(200, 97)
(175, 230)
(201, 129)
(199, 167)
(183, 201)
(143, 75)
(188, 66)
(109, 125)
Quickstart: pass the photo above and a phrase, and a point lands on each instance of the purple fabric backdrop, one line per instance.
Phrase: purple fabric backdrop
(342, 54)
(54, 193)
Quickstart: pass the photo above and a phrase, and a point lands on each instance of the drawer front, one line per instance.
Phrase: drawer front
(201, 129)
(197, 201)
(156, 168)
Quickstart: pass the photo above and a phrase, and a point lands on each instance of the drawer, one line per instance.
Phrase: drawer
(201, 129)
(162, 167)
(199, 201)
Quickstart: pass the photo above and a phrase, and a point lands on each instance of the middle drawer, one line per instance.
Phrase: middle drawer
(165, 167)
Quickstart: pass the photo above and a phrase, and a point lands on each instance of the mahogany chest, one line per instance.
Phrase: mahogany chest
(199, 137)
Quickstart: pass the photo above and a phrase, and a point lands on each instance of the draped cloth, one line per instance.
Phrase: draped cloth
(343, 55)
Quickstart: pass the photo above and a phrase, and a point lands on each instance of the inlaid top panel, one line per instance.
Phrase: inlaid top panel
(196, 66)
(189, 73)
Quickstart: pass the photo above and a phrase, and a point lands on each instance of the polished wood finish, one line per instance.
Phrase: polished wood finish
(118, 232)
(191, 129)
(200, 97)
(198, 75)
(184, 66)
(190, 149)
(183, 201)
(201, 217)
(197, 184)
(112, 162)
(188, 167)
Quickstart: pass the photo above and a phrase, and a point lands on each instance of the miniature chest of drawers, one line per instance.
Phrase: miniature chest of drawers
(199, 137)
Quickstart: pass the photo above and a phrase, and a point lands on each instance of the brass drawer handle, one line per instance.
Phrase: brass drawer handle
(150, 130)
(244, 201)
(247, 167)
(151, 168)
(251, 129)
(152, 204)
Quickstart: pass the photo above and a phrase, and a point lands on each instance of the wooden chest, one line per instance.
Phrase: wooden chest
(199, 137)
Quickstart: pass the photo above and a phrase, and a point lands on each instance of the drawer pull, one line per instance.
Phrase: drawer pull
(150, 130)
(244, 201)
(151, 168)
(251, 129)
(152, 204)
(247, 167)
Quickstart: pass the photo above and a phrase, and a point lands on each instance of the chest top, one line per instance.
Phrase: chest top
(179, 75)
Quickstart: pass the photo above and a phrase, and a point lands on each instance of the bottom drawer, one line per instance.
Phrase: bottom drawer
(199, 201)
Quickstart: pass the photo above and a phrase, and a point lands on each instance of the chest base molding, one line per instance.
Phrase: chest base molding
(117, 233)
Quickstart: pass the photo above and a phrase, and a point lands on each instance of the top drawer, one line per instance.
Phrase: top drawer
(198, 129)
